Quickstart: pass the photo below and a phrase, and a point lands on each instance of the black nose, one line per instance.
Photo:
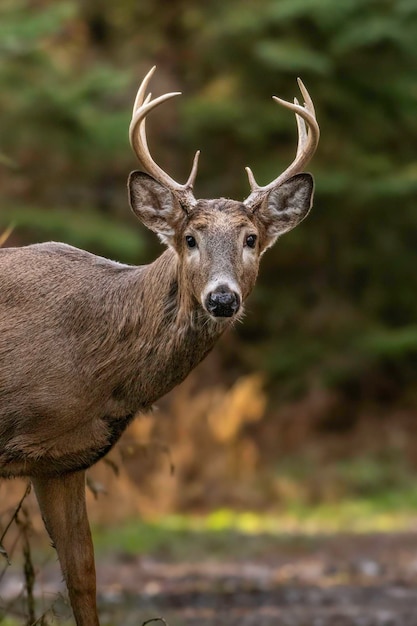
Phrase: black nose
(222, 302)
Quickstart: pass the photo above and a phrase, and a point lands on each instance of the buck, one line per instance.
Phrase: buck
(87, 343)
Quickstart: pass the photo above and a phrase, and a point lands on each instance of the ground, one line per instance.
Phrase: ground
(328, 581)
(232, 579)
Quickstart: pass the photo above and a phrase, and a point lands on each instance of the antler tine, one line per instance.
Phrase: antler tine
(142, 90)
(308, 102)
(302, 132)
(138, 141)
(308, 138)
(191, 179)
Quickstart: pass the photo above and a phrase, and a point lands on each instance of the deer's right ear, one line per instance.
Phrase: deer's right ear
(154, 205)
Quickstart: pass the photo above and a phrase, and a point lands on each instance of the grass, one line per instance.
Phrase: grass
(363, 494)
(225, 532)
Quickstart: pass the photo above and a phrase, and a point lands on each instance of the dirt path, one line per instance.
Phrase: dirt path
(302, 581)
(335, 581)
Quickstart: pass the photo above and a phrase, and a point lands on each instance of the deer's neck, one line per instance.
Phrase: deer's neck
(163, 333)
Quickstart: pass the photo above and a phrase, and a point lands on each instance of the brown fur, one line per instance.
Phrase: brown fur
(86, 343)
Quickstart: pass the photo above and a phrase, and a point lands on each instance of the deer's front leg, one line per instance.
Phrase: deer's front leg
(63, 506)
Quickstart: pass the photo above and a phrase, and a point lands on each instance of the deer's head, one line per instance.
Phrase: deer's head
(219, 242)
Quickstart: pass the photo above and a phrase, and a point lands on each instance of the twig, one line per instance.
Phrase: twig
(41, 619)
(28, 568)
(112, 465)
(3, 551)
(6, 234)
(95, 487)
(160, 447)
(155, 619)
(9, 554)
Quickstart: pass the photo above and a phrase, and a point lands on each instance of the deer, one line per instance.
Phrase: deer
(88, 343)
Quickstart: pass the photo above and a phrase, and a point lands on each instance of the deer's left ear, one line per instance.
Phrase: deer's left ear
(286, 206)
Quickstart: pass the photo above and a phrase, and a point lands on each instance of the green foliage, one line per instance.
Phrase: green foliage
(85, 229)
(66, 129)
(381, 479)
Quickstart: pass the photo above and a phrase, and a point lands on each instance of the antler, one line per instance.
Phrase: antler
(137, 136)
(308, 140)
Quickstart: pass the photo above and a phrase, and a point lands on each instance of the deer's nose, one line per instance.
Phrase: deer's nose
(222, 302)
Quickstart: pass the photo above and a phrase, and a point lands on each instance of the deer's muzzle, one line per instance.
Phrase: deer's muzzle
(222, 302)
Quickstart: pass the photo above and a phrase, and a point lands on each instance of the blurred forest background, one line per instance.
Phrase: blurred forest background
(312, 399)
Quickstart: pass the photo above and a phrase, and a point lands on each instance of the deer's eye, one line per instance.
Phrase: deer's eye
(251, 241)
(191, 242)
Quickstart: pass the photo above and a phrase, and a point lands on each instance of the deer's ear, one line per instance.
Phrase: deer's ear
(286, 206)
(154, 205)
